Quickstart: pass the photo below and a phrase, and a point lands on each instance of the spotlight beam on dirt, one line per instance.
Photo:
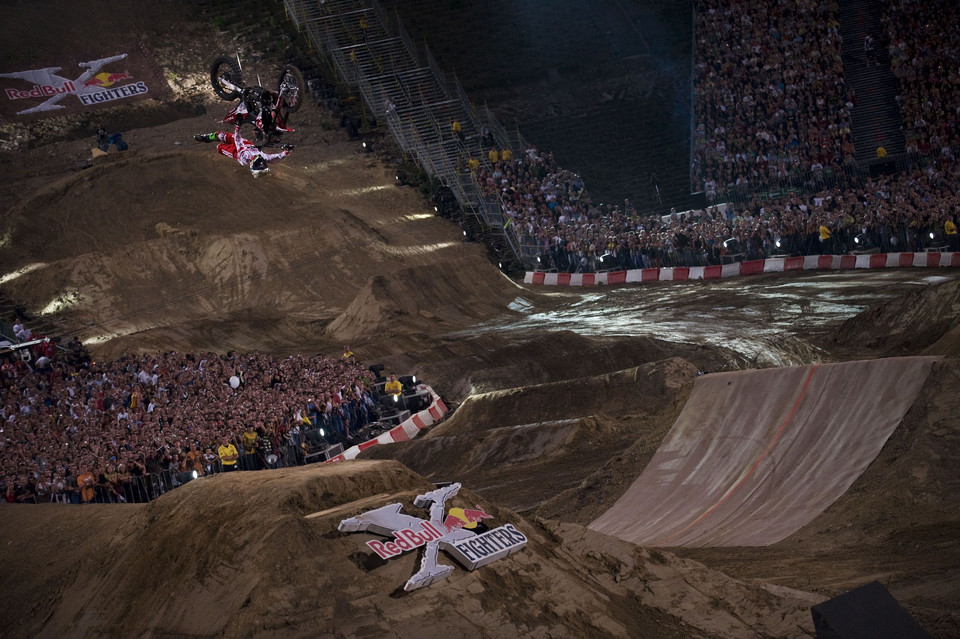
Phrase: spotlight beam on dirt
(62, 302)
(320, 167)
(362, 191)
(413, 217)
(418, 249)
(23, 270)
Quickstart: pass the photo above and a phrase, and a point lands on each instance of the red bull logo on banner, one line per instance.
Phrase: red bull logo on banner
(92, 87)
(107, 79)
(460, 532)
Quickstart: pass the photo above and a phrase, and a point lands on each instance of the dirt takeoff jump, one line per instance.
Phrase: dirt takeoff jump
(755, 455)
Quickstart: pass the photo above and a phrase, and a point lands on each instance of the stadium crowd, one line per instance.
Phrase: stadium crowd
(924, 53)
(774, 140)
(770, 99)
(76, 430)
(911, 211)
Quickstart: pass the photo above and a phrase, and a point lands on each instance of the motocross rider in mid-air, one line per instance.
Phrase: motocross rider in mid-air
(233, 145)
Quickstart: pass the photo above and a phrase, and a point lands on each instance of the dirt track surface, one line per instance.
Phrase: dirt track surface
(562, 399)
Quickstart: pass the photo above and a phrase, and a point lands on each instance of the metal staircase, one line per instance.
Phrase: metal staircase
(402, 85)
(876, 117)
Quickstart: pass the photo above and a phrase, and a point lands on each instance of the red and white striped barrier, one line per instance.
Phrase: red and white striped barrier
(408, 429)
(750, 267)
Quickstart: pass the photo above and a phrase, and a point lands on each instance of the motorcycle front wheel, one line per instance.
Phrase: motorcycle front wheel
(225, 72)
(291, 87)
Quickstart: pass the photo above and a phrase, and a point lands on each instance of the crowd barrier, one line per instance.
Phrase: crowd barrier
(406, 430)
(749, 267)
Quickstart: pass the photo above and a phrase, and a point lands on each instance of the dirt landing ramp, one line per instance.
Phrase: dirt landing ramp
(755, 455)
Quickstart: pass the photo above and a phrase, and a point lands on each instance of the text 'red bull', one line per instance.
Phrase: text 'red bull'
(40, 91)
(404, 540)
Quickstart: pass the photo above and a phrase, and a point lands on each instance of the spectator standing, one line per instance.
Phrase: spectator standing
(869, 54)
(250, 437)
(194, 459)
(87, 483)
(228, 455)
(393, 387)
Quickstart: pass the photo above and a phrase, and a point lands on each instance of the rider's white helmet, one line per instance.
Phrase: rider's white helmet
(258, 166)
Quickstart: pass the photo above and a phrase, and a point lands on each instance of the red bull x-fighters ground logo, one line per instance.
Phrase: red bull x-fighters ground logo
(92, 87)
(461, 533)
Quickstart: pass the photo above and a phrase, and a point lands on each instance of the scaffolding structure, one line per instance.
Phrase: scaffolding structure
(402, 85)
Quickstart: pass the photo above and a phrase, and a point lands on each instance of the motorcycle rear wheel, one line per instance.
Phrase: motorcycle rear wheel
(291, 86)
(225, 68)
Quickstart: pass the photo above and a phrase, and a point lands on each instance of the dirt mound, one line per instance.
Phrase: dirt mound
(183, 250)
(923, 322)
(401, 300)
(523, 446)
(235, 555)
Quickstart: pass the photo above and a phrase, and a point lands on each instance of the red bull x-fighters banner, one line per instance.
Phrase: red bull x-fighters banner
(76, 86)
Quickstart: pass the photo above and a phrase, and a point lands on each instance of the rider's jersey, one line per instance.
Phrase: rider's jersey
(234, 146)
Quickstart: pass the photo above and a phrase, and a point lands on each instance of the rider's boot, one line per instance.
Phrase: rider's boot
(205, 137)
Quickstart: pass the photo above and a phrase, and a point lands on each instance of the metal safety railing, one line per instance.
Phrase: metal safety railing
(146, 487)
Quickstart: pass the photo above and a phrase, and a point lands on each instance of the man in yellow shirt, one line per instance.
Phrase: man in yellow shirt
(228, 456)
(826, 246)
(250, 437)
(950, 229)
(394, 387)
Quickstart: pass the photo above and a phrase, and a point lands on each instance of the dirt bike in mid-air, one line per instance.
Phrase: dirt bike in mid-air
(266, 109)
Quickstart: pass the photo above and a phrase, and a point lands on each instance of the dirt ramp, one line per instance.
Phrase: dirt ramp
(641, 389)
(756, 455)
(924, 321)
(899, 522)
